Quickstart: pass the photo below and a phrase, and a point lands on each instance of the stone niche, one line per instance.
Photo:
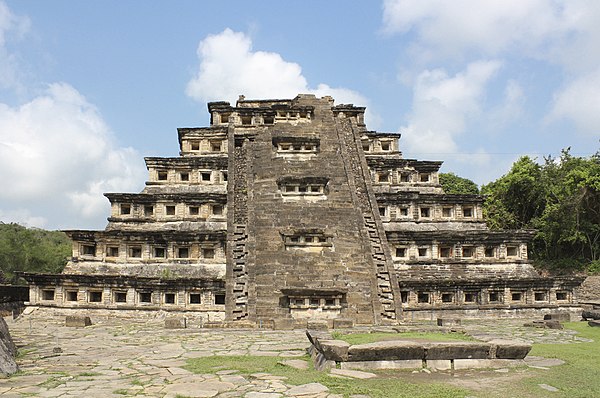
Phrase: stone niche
(314, 304)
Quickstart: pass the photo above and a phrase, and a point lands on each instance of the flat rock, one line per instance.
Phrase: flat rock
(456, 350)
(334, 350)
(534, 361)
(262, 395)
(77, 321)
(386, 350)
(307, 389)
(295, 363)
(355, 374)
(548, 387)
(204, 389)
(558, 316)
(507, 349)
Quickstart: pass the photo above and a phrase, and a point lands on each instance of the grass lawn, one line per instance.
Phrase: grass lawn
(579, 377)
(375, 388)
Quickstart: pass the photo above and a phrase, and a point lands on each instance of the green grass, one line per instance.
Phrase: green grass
(375, 388)
(364, 338)
(579, 377)
(88, 374)
(137, 382)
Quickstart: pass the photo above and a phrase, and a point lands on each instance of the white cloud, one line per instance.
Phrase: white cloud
(493, 26)
(551, 32)
(580, 102)
(229, 67)
(57, 156)
(510, 110)
(443, 104)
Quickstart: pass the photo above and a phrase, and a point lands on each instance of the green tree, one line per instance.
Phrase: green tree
(453, 184)
(560, 199)
(31, 250)
(517, 197)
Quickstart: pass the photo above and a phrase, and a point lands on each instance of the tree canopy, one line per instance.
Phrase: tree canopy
(453, 184)
(559, 198)
(31, 250)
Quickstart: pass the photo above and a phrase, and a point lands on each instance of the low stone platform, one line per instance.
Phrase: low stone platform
(405, 354)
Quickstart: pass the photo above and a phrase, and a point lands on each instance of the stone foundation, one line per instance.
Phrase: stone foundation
(402, 354)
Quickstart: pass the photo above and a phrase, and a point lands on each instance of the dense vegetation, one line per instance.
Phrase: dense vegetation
(31, 250)
(453, 184)
(560, 199)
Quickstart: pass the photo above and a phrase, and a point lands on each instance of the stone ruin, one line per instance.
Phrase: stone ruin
(8, 351)
(283, 212)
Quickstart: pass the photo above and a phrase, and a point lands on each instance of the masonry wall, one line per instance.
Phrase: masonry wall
(339, 266)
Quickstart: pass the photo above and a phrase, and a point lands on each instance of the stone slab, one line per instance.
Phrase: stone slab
(590, 314)
(558, 316)
(77, 321)
(284, 323)
(295, 363)
(375, 365)
(176, 323)
(340, 323)
(355, 374)
(317, 325)
(448, 322)
(512, 350)
(456, 350)
(386, 350)
(334, 350)
(307, 389)
(438, 364)
(486, 363)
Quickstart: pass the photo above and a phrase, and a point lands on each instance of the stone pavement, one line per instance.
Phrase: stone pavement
(118, 357)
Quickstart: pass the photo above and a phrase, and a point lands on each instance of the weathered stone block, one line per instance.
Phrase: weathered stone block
(175, 323)
(336, 350)
(594, 323)
(8, 351)
(213, 325)
(340, 323)
(317, 325)
(315, 335)
(77, 321)
(552, 324)
(456, 350)
(373, 365)
(590, 314)
(386, 350)
(439, 364)
(558, 316)
(506, 349)
(284, 323)
(448, 322)
(321, 362)
(6, 338)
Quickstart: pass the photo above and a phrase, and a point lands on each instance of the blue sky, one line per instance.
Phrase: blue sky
(87, 89)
